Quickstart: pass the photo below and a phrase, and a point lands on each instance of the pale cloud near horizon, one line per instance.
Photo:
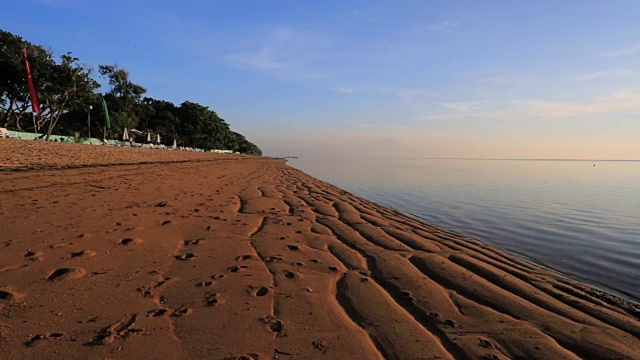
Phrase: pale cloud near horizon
(507, 80)
(609, 73)
(421, 142)
(625, 100)
(461, 106)
(622, 52)
(403, 94)
(413, 94)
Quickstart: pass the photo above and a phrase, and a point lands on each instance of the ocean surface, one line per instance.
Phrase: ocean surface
(581, 218)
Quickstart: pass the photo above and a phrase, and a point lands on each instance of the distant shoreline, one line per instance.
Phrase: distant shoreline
(463, 158)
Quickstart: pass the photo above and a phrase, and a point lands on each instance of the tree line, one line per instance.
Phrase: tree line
(69, 96)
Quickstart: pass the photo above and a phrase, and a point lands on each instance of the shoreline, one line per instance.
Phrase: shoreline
(612, 296)
(540, 215)
(191, 255)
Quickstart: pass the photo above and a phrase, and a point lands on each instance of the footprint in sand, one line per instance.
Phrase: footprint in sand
(258, 291)
(274, 259)
(291, 275)
(129, 241)
(181, 312)
(320, 345)
(204, 284)
(212, 299)
(161, 282)
(244, 257)
(406, 295)
(450, 323)
(156, 312)
(9, 297)
(273, 323)
(187, 256)
(36, 338)
(237, 268)
(34, 255)
(293, 247)
(6, 295)
(275, 326)
(55, 246)
(120, 330)
(83, 253)
(192, 242)
(66, 273)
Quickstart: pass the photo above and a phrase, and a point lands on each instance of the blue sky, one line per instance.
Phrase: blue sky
(542, 79)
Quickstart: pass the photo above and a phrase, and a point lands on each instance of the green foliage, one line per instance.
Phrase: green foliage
(14, 92)
(66, 90)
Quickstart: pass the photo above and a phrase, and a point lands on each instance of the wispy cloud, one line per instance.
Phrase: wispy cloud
(283, 49)
(609, 74)
(349, 13)
(622, 101)
(507, 79)
(623, 52)
(403, 94)
(443, 26)
(60, 3)
(413, 94)
(346, 89)
(461, 106)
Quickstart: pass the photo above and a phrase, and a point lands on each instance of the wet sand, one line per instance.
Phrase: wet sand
(123, 253)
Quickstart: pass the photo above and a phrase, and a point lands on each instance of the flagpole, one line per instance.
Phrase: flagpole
(107, 122)
(89, 121)
(35, 107)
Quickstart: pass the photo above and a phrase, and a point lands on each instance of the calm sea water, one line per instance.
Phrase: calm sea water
(581, 218)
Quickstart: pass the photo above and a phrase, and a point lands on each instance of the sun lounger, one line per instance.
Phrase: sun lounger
(4, 133)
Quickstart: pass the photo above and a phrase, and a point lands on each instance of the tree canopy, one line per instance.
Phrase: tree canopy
(69, 95)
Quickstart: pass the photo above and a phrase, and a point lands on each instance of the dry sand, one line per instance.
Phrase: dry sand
(148, 254)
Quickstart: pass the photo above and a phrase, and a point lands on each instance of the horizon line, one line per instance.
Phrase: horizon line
(468, 158)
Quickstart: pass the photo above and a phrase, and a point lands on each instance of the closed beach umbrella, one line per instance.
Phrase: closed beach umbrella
(148, 137)
(174, 144)
(125, 135)
(158, 138)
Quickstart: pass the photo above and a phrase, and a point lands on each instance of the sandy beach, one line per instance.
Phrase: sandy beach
(120, 253)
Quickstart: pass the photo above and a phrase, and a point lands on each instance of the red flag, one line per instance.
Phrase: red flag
(32, 91)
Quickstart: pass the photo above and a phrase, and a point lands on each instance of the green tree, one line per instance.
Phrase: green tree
(14, 93)
(121, 86)
(69, 86)
(66, 89)
(159, 117)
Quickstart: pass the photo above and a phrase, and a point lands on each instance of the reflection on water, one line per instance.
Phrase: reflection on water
(580, 218)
